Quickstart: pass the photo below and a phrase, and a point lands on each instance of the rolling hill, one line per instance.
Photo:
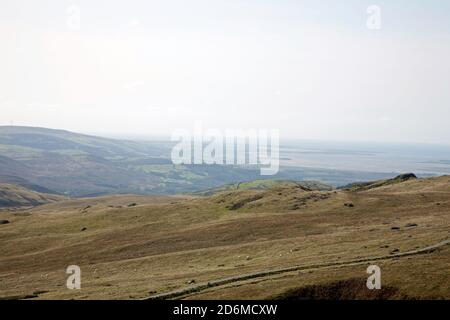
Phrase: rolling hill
(17, 196)
(266, 184)
(360, 186)
(78, 165)
(277, 242)
(74, 164)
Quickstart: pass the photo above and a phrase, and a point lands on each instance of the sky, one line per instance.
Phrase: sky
(311, 69)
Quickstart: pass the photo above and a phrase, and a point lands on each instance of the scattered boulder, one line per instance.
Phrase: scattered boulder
(349, 205)
(411, 225)
(83, 229)
(85, 209)
(395, 228)
(362, 186)
(132, 204)
(243, 202)
(4, 221)
(395, 251)
(406, 177)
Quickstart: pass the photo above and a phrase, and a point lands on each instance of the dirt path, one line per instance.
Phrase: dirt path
(220, 282)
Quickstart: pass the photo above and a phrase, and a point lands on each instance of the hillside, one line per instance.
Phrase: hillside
(361, 186)
(266, 184)
(17, 196)
(74, 164)
(17, 140)
(78, 165)
(282, 242)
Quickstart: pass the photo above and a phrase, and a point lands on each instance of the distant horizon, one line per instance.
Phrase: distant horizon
(167, 137)
(322, 70)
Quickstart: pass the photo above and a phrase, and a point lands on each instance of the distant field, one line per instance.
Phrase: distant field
(133, 247)
(77, 165)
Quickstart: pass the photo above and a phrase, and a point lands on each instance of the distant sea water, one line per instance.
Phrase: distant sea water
(421, 159)
(341, 163)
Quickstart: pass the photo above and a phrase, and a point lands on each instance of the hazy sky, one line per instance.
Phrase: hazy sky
(312, 69)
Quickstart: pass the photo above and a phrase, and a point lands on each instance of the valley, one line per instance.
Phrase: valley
(78, 165)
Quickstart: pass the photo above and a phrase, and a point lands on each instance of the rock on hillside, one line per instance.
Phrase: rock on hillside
(361, 186)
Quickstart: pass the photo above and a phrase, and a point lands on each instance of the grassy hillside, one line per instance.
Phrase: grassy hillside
(283, 242)
(17, 196)
(78, 165)
(20, 140)
(376, 184)
(266, 184)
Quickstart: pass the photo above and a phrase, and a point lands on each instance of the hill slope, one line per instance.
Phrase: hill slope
(150, 247)
(267, 184)
(79, 165)
(376, 184)
(17, 196)
(73, 164)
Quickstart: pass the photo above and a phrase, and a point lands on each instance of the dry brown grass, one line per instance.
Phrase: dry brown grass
(162, 243)
(14, 196)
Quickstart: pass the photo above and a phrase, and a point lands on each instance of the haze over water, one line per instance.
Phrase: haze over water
(421, 159)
